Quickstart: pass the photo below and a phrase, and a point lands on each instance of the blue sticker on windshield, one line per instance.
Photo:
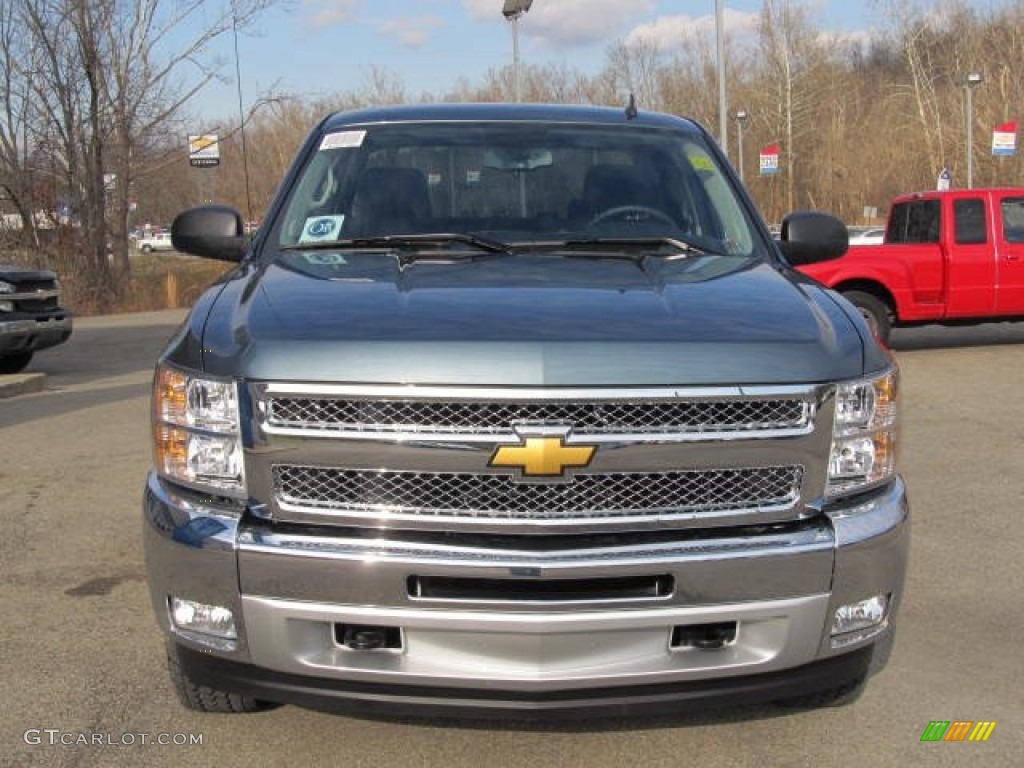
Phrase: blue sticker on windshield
(321, 229)
(320, 259)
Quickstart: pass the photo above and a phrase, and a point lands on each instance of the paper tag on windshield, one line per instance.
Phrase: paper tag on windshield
(321, 229)
(343, 140)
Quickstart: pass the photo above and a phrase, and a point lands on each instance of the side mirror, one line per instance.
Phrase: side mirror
(808, 237)
(210, 231)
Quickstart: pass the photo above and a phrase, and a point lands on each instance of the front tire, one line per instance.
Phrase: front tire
(15, 363)
(202, 698)
(874, 311)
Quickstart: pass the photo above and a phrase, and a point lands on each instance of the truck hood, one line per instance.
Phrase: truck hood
(533, 320)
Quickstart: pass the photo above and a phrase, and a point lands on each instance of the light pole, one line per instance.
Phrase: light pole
(972, 81)
(741, 118)
(512, 11)
(723, 123)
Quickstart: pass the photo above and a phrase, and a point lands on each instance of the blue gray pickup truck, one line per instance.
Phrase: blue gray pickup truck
(520, 410)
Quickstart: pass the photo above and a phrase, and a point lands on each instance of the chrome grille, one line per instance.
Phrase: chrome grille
(608, 495)
(496, 417)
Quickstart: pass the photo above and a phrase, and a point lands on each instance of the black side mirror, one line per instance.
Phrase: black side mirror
(210, 231)
(808, 237)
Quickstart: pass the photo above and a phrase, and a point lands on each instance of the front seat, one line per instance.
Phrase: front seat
(609, 186)
(389, 201)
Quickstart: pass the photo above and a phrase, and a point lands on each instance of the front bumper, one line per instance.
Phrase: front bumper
(293, 588)
(33, 334)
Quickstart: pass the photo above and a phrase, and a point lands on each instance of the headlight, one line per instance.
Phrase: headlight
(6, 287)
(196, 431)
(864, 434)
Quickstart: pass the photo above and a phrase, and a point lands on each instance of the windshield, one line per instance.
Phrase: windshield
(516, 184)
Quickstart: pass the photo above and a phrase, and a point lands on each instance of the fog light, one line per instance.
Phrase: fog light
(212, 621)
(857, 621)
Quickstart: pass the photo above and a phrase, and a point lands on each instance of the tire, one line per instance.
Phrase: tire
(202, 698)
(875, 311)
(15, 363)
(146, 248)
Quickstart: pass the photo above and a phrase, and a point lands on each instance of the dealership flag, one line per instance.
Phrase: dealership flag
(770, 160)
(1004, 139)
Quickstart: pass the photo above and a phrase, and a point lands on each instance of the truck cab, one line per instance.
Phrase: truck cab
(951, 257)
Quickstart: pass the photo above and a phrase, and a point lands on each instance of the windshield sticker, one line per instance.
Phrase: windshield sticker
(700, 161)
(325, 259)
(343, 140)
(321, 229)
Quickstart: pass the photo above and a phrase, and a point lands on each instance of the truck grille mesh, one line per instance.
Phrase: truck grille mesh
(618, 495)
(600, 417)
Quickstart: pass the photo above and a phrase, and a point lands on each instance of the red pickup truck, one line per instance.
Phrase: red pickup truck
(952, 257)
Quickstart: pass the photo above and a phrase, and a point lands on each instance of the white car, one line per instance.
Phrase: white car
(873, 236)
(158, 241)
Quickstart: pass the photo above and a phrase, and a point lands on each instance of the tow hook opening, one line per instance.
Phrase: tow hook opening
(364, 637)
(704, 637)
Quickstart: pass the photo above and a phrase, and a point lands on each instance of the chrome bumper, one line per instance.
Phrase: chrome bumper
(291, 590)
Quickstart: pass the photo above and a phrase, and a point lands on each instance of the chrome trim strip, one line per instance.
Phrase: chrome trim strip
(53, 293)
(382, 549)
(489, 394)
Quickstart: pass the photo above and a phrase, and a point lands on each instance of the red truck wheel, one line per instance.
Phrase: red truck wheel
(874, 311)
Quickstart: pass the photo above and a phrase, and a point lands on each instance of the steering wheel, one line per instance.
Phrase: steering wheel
(623, 210)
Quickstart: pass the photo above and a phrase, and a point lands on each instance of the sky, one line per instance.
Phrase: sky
(320, 47)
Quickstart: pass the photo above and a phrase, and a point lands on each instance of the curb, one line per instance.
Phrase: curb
(21, 384)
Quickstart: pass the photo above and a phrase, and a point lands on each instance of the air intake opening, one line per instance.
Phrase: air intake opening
(540, 590)
(705, 637)
(365, 637)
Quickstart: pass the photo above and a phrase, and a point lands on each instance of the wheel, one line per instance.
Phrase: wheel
(202, 698)
(15, 363)
(875, 311)
(839, 696)
(147, 248)
(639, 211)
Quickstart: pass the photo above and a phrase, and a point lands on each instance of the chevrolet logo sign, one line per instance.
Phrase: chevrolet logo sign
(543, 456)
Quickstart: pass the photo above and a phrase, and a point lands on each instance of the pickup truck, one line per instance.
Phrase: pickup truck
(953, 257)
(31, 316)
(156, 241)
(519, 410)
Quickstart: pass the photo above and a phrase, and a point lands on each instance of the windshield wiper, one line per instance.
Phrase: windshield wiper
(649, 246)
(484, 244)
(631, 248)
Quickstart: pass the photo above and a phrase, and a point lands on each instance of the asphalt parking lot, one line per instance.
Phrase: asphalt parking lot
(82, 658)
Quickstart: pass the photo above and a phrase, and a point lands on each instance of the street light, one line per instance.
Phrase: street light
(723, 124)
(512, 11)
(972, 81)
(741, 118)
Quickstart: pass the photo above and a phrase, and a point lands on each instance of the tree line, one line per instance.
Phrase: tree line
(857, 119)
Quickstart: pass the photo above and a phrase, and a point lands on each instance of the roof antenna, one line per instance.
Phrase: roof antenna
(631, 111)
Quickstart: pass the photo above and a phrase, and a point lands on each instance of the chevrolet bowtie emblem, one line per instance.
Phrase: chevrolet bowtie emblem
(543, 456)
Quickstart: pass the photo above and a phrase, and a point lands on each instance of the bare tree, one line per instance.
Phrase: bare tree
(107, 79)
